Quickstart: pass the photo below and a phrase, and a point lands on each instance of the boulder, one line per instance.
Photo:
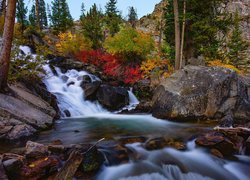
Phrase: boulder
(161, 142)
(35, 151)
(113, 98)
(198, 92)
(90, 90)
(23, 114)
(65, 63)
(84, 79)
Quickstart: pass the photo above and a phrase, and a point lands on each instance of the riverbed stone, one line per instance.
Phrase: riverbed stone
(197, 93)
(35, 150)
(161, 142)
(112, 98)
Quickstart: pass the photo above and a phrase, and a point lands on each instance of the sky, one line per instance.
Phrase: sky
(143, 7)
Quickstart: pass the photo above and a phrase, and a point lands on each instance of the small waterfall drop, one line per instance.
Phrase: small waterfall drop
(70, 96)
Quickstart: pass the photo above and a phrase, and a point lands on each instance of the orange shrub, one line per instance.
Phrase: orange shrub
(219, 63)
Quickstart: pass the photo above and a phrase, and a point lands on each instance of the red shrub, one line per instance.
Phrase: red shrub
(111, 65)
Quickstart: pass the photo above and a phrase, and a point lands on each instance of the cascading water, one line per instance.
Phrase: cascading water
(70, 96)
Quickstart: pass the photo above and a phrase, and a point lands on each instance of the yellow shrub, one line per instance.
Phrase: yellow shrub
(70, 44)
(219, 63)
(156, 67)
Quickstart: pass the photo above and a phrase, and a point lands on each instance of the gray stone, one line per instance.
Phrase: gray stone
(197, 92)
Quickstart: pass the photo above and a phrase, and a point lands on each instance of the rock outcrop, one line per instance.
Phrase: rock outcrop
(23, 114)
(198, 92)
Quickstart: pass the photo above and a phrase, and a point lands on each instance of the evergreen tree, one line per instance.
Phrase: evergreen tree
(132, 16)
(237, 46)
(112, 17)
(82, 11)
(92, 26)
(61, 19)
(43, 14)
(21, 11)
(204, 19)
(32, 16)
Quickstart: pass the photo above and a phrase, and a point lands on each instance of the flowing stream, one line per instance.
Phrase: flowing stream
(90, 122)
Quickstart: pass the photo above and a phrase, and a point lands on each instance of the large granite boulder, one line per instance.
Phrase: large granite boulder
(198, 92)
(112, 98)
(24, 114)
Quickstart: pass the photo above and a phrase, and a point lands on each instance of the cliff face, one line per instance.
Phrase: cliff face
(243, 8)
(151, 22)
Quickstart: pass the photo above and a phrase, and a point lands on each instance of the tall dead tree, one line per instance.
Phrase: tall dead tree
(183, 33)
(177, 35)
(7, 43)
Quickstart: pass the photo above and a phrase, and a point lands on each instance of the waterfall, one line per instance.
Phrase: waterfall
(70, 96)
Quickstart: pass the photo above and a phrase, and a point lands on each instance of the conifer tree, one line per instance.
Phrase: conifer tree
(61, 18)
(112, 17)
(237, 46)
(43, 14)
(32, 16)
(21, 14)
(132, 16)
(92, 26)
(82, 11)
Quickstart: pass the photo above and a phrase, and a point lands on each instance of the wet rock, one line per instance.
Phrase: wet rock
(70, 83)
(197, 92)
(3, 175)
(90, 90)
(64, 78)
(65, 63)
(21, 131)
(85, 79)
(161, 142)
(217, 140)
(132, 139)
(216, 153)
(41, 168)
(35, 151)
(67, 113)
(92, 160)
(113, 98)
(12, 167)
(144, 107)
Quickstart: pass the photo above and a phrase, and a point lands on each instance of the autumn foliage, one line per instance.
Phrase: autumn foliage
(219, 63)
(111, 65)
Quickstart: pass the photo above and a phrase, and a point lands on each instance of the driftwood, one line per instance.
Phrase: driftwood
(70, 167)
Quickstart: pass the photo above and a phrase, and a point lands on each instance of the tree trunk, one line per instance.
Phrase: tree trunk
(183, 33)
(177, 35)
(7, 43)
(37, 15)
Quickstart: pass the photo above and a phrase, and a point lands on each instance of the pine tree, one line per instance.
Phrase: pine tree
(92, 26)
(132, 16)
(112, 17)
(237, 46)
(32, 16)
(204, 19)
(82, 11)
(21, 11)
(43, 14)
(61, 19)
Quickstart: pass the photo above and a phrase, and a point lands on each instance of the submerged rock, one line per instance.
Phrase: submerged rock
(113, 98)
(35, 150)
(197, 92)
